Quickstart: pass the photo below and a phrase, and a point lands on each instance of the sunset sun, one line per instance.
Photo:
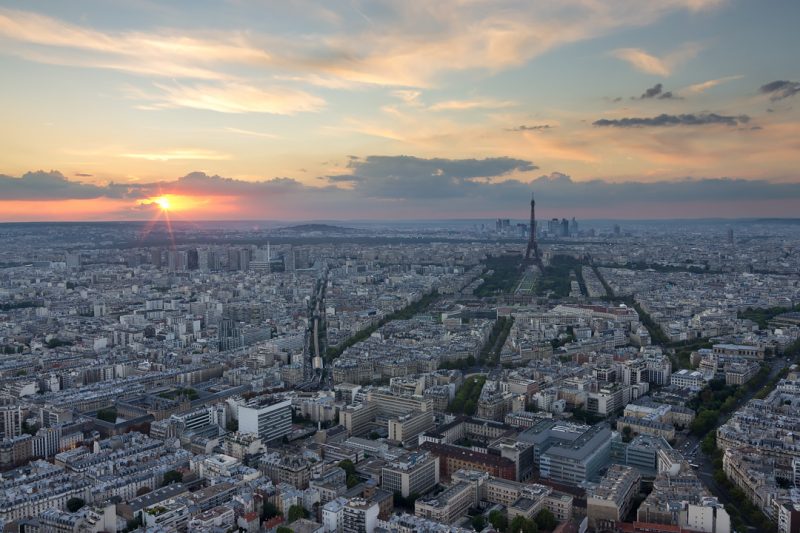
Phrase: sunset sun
(163, 203)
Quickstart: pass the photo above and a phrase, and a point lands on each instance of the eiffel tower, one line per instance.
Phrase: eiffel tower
(533, 247)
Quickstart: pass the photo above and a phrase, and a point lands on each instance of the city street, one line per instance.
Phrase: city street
(691, 449)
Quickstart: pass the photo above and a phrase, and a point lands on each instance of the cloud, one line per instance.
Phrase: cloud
(403, 44)
(651, 64)
(179, 155)
(535, 127)
(642, 61)
(563, 192)
(251, 133)
(404, 176)
(656, 91)
(700, 119)
(83, 175)
(780, 89)
(698, 88)
(652, 92)
(165, 53)
(408, 96)
(342, 178)
(407, 187)
(41, 185)
(233, 98)
(478, 103)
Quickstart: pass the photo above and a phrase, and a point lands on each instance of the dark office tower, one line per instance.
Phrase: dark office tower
(213, 261)
(533, 247)
(229, 334)
(302, 258)
(617, 230)
(564, 227)
(202, 260)
(155, 258)
(573, 227)
(233, 259)
(244, 259)
(730, 235)
(173, 262)
(133, 260)
(553, 227)
(192, 259)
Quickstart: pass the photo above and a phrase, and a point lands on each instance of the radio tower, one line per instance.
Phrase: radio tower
(532, 246)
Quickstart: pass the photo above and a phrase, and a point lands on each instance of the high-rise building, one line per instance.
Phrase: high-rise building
(229, 335)
(213, 260)
(357, 419)
(10, 421)
(569, 453)
(269, 418)
(406, 428)
(202, 260)
(177, 260)
(244, 259)
(416, 472)
(360, 516)
(72, 259)
(233, 259)
(573, 227)
(155, 258)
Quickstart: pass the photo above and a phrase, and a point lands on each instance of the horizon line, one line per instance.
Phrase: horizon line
(396, 220)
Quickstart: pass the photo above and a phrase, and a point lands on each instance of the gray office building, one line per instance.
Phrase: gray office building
(268, 418)
(569, 453)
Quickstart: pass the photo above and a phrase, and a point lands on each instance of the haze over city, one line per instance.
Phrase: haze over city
(399, 266)
(366, 110)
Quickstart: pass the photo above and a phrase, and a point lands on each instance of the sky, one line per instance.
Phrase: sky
(398, 109)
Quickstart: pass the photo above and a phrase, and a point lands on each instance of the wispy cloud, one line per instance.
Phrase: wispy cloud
(179, 155)
(394, 49)
(408, 96)
(252, 133)
(167, 53)
(233, 98)
(698, 88)
(477, 103)
(659, 66)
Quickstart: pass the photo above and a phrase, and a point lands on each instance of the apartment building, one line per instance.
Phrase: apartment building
(611, 500)
(414, 473)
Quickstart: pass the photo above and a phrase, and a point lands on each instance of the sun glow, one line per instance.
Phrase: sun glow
(163, 202)
(176, 203)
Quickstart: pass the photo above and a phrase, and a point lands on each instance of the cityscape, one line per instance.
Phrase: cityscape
(382, 306)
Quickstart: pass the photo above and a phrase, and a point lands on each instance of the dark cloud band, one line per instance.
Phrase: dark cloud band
(402, 185)
(780, 89)
(701, 119)
(657, 91)
(535, 127)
